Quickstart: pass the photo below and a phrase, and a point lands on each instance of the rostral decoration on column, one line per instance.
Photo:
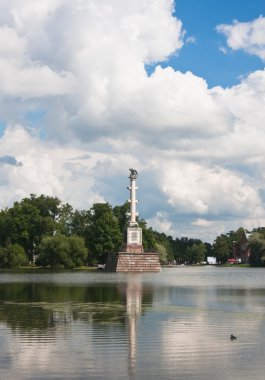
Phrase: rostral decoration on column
(134, 232)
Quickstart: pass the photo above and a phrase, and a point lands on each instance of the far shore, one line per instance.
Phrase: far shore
(96, 268)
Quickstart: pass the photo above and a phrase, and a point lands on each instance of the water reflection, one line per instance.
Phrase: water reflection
(133, 307)
(132, 327)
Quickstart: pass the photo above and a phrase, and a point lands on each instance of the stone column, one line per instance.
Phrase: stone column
(134, 233)
(133, 201)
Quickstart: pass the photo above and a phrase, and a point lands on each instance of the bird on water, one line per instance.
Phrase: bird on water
(232, 337)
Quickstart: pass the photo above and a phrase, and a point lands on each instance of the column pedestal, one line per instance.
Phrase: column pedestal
(132, 262)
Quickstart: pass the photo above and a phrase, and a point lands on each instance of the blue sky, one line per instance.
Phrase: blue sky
(203, 57)
(174, 89)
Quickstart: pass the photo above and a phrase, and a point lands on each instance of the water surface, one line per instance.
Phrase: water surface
(170, 325)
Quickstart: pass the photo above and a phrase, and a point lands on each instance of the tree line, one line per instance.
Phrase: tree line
(43, 231)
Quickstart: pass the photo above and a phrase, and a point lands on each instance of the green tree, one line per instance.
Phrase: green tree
(12, 256)
(162, 253)
(232, 237)
(28, 221)
(103, 233)
(148, 237)
(25, 226)
(257, 248)
(122, 215)
(196, 253)
(78, 250)
(221, 248)
(80, 222)
(166, 242)
(64, 221)
(48, 206)
(61, 251)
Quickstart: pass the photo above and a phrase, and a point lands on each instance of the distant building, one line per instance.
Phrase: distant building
(241, 249)
(211, 260)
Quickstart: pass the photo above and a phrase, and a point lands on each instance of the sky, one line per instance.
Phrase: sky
(174, 89)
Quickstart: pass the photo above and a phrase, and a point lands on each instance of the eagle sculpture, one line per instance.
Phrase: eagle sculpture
(134, 173)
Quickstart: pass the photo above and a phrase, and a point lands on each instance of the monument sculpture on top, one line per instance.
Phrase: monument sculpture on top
(132, 257)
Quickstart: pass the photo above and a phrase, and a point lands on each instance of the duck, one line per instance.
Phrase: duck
(232, 337)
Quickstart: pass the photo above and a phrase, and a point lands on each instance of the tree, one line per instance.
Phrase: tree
(48, 206)
(148, 237)
(80, 222)
(122, 215)
(25, 226)
(196, 253)
(78, 250)
(61, 251)
(28, 221)
(257, 248)
(166, 242)
(12, 256)
(162, 253)
(232, 237)
(221, 249)
(103, 233)
(64, 222)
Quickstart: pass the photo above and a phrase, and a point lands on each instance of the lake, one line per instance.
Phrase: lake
(175, 324)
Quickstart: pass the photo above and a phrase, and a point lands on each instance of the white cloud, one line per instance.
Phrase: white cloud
(33, 81)
(64, 172)
(21, 73)
(247, 36)
(202, 222)
(16, 46)
(199, 151)
(198, 189)
(161, 222)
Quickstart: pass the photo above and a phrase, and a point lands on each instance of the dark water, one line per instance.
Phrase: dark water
(171, 325)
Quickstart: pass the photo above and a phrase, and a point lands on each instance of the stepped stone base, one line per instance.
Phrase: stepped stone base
(132, 262)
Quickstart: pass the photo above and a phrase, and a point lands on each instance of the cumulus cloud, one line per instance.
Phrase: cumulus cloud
(214, 191)
(247, 36)
(32, 81)
(46, 170)
(32, 78)
(81, 66)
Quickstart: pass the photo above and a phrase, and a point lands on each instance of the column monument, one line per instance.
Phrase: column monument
(134, 233)
(132, 257)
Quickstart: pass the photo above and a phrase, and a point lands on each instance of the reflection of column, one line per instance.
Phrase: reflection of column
(133, 303)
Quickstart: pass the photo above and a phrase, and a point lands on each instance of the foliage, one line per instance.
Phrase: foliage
(167, 244)
(63, 224)
(233, 236)
(28, 221)
(162, 253)
(196, 253)
(221, 249)
(257, 246)
(80, 222)
(41, 220)
(61, 251)
(149, 241)
(103, 233)
(181, 246)
(12, 256)
(121, 213)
